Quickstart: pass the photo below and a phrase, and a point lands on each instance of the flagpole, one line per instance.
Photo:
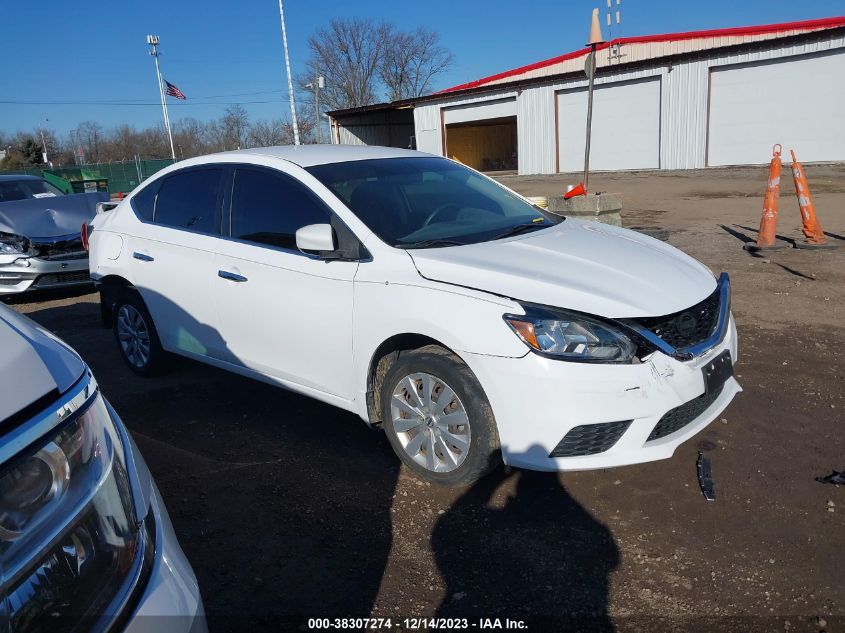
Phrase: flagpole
(290, 82)
(153, 41)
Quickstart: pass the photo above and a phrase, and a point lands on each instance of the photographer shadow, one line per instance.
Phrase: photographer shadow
(528, 552)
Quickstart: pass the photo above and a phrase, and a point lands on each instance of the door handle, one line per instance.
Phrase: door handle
(143, 257)
(225, 274)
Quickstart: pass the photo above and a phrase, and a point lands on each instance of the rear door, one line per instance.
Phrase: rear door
(172, 260)
(282, 312)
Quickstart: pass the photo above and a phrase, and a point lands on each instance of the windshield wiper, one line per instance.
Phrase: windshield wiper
(431, 243)
(520, 228)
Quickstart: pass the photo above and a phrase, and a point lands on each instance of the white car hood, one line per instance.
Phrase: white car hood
(580, 265)
(33, 363)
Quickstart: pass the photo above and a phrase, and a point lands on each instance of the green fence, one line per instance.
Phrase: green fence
(122, 176)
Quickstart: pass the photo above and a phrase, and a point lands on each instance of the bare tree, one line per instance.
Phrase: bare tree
(88, 136)
(411, 61)
(348, 53)
(269, 133)
(235, 126)
(191, 137)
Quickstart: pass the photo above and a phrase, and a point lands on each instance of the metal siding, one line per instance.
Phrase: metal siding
(427, 125)
(535, 124)
(683, 132)
(684, 97)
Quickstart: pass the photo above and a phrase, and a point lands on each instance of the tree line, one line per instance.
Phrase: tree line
(362, 61)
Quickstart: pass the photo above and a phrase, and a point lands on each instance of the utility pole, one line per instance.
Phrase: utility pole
(290, 81)
(44, 147)
(153, 41)
(319, 82)
(595, 40)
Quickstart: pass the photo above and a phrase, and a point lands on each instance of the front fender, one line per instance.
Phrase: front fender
(463, 321)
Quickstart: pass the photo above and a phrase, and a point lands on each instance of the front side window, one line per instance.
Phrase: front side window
(428, 202)
(268, 208)
(189, 200)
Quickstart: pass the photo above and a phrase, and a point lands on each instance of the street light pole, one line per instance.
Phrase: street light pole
(595, 40)
(153, 41)
(319, 82)
(44, 147)
(290, 81)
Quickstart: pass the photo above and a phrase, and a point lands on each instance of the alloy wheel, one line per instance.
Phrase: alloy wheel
(134, 336)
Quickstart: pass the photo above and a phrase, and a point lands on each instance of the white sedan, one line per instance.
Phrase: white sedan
(469, 324)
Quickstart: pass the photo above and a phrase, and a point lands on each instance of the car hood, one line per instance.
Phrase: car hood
(49, 217)
(34, 363)
(580, 265)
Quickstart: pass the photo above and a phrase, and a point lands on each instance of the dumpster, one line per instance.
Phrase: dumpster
(76, 180)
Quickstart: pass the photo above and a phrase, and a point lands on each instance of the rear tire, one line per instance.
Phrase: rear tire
(136, 335)
(437, 418)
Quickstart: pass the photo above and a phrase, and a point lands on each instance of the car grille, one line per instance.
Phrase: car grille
(679, 417)
(589, 439)
(61, 249)
(59, 279)
(688, 327)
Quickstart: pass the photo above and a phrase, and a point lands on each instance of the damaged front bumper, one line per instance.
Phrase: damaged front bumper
(20, 273)
(613, 415)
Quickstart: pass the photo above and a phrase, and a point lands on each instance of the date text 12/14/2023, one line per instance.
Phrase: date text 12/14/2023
(416, 624)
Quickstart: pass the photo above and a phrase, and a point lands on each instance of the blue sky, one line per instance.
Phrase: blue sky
(96, 51)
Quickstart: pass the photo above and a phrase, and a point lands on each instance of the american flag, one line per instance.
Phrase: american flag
(173, 91)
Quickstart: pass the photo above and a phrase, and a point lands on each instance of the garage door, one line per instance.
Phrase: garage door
(626, 126)
(483, 110)
(798, 103)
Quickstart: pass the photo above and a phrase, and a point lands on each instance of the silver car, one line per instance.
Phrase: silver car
(85, 540)
(40, 234)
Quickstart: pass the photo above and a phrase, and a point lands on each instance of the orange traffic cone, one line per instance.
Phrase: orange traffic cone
(812, 228)
(768, 223)
(577, 190)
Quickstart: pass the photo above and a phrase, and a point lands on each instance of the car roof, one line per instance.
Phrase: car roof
(16, 177)
(309, 155)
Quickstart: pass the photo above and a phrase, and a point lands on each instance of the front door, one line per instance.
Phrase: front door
(282, 312)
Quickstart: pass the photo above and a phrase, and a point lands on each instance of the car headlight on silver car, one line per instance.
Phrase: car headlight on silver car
(70, 543)
(567, 335)
(11, 244)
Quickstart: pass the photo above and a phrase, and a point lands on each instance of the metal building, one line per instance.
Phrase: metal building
(674, 101)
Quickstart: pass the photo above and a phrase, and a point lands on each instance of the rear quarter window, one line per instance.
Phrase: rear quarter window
(144, 201)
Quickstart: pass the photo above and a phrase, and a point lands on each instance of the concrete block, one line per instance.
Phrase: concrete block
(601, 207)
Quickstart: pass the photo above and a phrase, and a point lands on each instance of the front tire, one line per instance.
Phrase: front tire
(437, 418)
(136, 335)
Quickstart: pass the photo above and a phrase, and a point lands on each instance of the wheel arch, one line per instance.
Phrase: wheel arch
(380, 360)
(109, 286)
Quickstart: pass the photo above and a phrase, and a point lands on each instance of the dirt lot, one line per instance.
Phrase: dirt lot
(287, 507)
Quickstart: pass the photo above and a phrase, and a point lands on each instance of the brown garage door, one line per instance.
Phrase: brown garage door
(488, 145)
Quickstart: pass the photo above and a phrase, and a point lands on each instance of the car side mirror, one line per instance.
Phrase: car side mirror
(316, 239)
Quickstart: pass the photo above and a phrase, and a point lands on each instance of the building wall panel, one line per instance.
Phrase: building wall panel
(684, 104)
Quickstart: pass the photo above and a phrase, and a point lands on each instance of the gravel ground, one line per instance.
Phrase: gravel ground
(287, 507)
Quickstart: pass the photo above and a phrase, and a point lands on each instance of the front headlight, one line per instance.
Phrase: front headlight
(69, 540)
(11, 244)
(571, 336)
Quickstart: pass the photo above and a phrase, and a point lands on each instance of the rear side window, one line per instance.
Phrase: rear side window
(268, 208)
(144, 201)
(189, 200)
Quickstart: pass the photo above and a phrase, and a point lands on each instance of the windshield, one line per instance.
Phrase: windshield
(429, 202)
(25, 189)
